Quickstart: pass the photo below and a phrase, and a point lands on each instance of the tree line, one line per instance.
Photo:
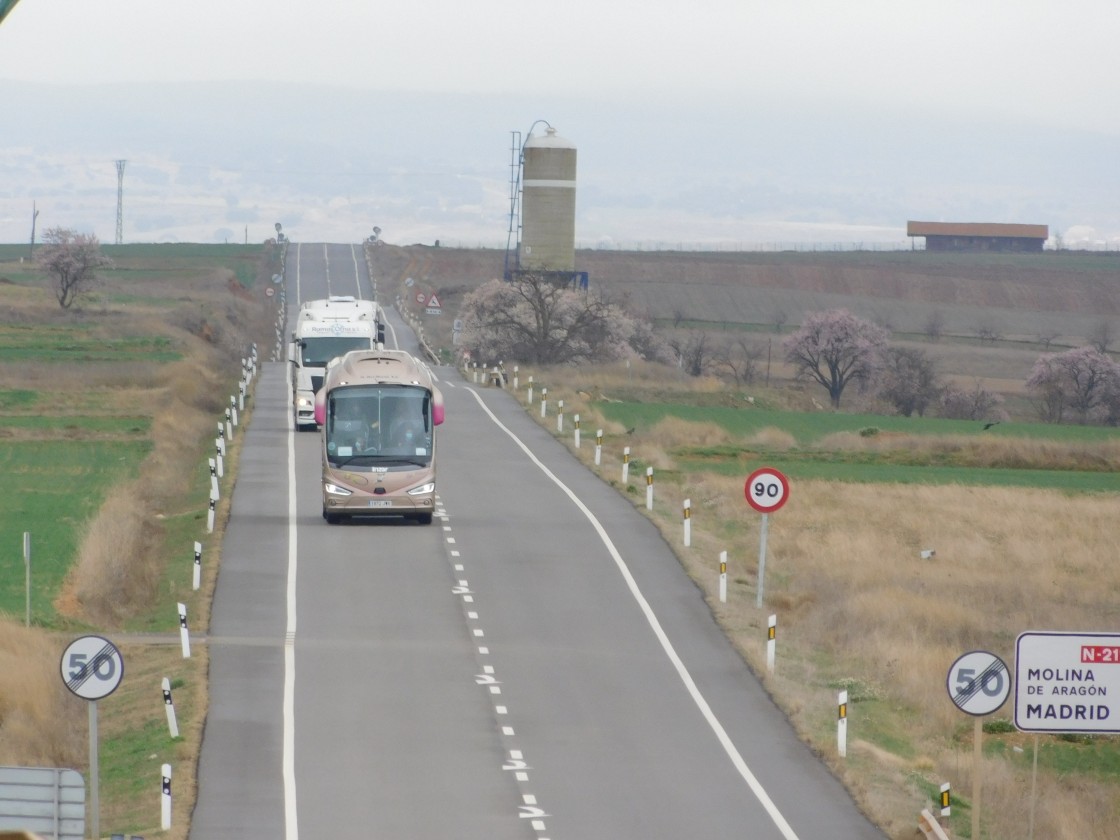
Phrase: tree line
(537, 319)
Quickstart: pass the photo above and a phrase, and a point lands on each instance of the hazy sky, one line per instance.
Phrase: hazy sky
(1051, 59)
(1050, 64)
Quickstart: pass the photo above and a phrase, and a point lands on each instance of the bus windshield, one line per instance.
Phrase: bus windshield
(378, 425)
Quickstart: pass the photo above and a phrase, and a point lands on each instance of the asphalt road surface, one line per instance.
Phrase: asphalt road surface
(534, 665)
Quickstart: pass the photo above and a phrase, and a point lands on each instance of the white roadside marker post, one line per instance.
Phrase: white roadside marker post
(172, 721)
(576, 421)
(649, 488)
(529, 393)
(625, 465)
(771, 642)
(598, 447)
(184, 634)
(165, 797)
(196, 580)
(723, 577)
(560, 416)
(688, 523)
(544, 403)
(842, 724)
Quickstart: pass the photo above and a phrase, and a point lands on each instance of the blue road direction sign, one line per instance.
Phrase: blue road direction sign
(1067, 682)
(978, 682)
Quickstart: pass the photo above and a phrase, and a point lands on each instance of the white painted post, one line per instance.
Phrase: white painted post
(184, 635)
(197, 581)
(221, 466)
(723, 577)
(560, 416)
(576, 419)
(233, 409)
(27, 577)
(172, 721)
(529, 396)
(229, 429)
(210, 514)
(649, 488)
(241, 394)
(771, 642)
(688, 523)
(946, 803)
(214, 484)
(165, 798)
(598, 447)
(544, 403)
(221, 429)
(842, 724)
(515, 377)
(625, 465)
(762, 557)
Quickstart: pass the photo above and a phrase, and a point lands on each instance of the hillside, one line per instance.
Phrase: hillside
(1024, 303)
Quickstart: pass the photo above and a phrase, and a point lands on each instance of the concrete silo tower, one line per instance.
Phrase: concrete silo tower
(548, 204)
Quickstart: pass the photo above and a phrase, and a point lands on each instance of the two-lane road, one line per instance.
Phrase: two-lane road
(534, 664)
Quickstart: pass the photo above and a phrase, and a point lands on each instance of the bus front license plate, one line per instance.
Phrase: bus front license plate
(379, 503)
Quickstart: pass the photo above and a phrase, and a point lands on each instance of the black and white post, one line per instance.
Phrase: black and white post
(196, 576)
(169, 706)
(184, 634)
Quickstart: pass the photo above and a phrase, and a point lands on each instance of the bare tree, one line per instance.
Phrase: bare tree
(1101, 336)
(977, 404)
(989, 331)
(1046, 338)
(741, 359)
(909, 380)
(695, 353)
(835, 348)
(935, 325)
(780, 318)
(72, 260)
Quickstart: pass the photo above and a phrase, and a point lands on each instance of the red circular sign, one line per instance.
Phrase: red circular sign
(421, 298)
(766, 490)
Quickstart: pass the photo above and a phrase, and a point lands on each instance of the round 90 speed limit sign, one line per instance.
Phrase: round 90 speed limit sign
(978, 682)
(766, 490)
(92, 667)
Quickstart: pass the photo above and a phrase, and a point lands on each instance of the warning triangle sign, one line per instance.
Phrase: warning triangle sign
(433, 302)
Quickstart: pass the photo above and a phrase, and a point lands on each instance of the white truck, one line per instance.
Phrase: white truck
(325, 329)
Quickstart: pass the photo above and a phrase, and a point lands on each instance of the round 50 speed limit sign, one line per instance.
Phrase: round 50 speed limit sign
(766, 490)
(978, 682)
(92, 667)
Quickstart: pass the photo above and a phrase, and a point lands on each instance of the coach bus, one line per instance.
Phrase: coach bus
(378, 410)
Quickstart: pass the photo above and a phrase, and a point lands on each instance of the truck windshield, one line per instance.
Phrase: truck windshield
(316, 352)
(378, 424)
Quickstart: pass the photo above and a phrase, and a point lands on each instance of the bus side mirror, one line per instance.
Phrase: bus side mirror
(437, 407)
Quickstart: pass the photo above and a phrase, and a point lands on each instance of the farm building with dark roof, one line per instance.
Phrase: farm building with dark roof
(983, 236)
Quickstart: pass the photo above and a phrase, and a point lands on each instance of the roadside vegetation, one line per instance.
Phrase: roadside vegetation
(945, 495)
(1021, 522)
(109, 399)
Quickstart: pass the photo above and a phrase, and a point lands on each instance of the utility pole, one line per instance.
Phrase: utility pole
(120, 201)
(34, 216)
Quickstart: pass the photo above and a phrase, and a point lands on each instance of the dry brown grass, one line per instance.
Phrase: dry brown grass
(41, 722)
(857, 605)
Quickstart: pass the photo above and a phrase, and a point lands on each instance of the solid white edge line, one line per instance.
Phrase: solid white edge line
(291, 823)
(698, 698)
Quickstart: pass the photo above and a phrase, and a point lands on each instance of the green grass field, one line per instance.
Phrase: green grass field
(50, 489)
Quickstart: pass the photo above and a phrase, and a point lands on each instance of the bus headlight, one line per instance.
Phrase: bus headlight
(338, 491)
(423, 489)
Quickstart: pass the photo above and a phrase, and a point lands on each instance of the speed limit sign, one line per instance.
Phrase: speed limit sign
(978, 682)
(766, 490)
(92, 667)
